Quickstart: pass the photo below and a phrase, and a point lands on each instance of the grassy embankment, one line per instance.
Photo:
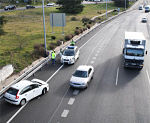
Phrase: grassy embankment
(24, 29)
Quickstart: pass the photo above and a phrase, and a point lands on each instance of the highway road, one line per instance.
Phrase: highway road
(115, 95)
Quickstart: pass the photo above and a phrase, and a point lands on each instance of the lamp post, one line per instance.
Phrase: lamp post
(106, 8)
(44, 25)
(125, 5)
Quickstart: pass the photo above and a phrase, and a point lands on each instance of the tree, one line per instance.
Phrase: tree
(121, 3)
(71, 6)
(2, 22)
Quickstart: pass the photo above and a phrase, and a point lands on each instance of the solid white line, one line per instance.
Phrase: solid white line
(54, 73)
(71, 101)
(117, 76)
(16, 114)
(89, 39)
(58, 106)
(148, 76)
(65, 113)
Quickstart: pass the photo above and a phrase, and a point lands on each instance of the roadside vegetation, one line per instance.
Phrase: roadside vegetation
(23, 38)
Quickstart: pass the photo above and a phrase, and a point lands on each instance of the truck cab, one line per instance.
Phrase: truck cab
(134, 49)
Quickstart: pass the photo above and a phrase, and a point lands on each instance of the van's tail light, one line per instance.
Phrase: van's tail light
(17, 97)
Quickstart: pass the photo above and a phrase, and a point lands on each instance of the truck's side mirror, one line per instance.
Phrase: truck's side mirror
(146, 52)
(123, 51)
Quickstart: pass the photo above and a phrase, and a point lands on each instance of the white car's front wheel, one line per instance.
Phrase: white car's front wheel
(44, 91)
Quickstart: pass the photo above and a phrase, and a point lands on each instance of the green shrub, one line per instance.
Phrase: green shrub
(52, 46)
(53, 37)
(74, 19)
(68, 37)
(77, 32)
(88, 26)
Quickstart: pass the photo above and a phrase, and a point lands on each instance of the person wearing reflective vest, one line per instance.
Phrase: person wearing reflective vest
(53, 56)
(72, 43)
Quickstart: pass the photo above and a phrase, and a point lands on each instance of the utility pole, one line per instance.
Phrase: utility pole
(44, 25)
(106, 8)
(125, 5)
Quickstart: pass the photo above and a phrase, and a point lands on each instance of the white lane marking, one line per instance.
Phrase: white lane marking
(117, 76)
(65, 113)
(16, 114)
(54, 73)
(98, 51)
(94, 58)
(148, 76)
(75, 92)
(71, 101)
(89, 39)
(58, 106)
(92, 62)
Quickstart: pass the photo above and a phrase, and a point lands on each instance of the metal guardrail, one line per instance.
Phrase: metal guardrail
(36, 67)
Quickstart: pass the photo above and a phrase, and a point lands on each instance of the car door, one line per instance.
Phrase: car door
(27, 93)
(37, 90)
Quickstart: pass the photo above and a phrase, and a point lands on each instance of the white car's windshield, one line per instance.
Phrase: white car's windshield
(68, 52)
(79, 73)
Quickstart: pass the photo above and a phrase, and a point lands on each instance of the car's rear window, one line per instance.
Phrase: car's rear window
(12, 91)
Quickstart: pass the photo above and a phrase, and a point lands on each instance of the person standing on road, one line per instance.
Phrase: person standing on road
(72, 43)
(53, 56)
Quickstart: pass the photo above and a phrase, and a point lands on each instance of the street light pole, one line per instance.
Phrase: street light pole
(106, 8)
(44, 25)
(125, 5)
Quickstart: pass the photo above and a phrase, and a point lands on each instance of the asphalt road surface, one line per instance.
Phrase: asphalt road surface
(115, 95)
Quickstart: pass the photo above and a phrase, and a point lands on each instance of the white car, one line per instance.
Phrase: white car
(50, 4)
(70, 55)
(25, 90)
(141, 7)
(144, 20)
(82, 76)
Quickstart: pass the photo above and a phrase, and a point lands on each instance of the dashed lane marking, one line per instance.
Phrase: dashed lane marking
(76, 92)
(94, 58)
(148, 76)
(92, 62)
(71, 101)
(117, 76)
(96, 55)
(58, 106)
(65, 113)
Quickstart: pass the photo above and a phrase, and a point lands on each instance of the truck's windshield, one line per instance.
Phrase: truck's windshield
(135, 52)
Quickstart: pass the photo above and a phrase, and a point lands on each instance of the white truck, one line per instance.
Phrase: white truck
(134, 49)
(147, 8)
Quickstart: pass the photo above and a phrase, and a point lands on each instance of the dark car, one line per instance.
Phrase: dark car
(9, 7)
(30, 7)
